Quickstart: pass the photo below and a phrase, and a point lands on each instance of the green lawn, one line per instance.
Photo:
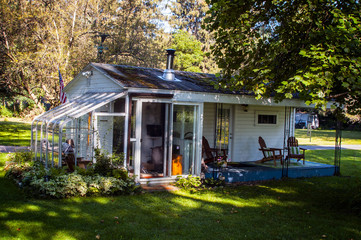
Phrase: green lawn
(313, 208)
(290, 209)
(327, 137)
(15, 133)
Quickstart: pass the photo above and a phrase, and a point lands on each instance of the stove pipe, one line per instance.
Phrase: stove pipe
(168, 73)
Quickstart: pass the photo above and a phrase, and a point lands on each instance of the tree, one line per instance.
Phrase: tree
(37, 37)
(189, 52)
(188, 16)
(279, 48)
(134, 36)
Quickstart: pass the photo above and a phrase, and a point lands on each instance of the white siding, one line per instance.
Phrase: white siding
(246, 132)
(95, 83)
(209, 122)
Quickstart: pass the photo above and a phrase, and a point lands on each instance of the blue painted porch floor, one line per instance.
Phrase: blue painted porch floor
(254, 171)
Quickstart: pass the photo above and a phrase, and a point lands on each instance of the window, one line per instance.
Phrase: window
(263, 118)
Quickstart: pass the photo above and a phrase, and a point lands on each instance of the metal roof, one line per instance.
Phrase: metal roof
(151, 78)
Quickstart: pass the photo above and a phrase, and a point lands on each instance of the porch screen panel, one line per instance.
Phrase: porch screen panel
(110, 134)
(184, 136)
(85, 137)
(222, 127)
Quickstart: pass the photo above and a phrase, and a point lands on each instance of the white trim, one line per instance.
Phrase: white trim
(110, 114)
(201, 97)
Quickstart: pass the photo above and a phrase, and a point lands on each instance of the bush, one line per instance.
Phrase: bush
(5, 112)
(56, 183)
(211, 182)
(21, 157)
(189, 183)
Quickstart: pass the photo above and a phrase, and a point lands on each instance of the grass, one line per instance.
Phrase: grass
(288, 209)
(313, 208)
(327, 137)
(15, 133)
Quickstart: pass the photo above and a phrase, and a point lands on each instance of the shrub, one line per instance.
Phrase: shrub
(189, 183)
(211, 182)
(103, 164)
(5, 112)
(21, 157)
(57, 183)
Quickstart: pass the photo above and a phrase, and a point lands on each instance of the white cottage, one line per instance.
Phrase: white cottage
(157, 118)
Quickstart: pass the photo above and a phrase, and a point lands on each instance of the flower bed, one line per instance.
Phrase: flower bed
(58, 183)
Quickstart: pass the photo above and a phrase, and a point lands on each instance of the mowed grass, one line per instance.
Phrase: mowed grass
(15, 133)
(313, 208)
(287, 209)
(327, 137)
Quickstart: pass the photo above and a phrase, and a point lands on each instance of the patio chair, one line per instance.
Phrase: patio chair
(212, 154)
(294, 151)
(269, 154)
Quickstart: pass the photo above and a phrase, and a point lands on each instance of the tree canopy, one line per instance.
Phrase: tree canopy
(37, 37)
(279, 48)
(189, 52)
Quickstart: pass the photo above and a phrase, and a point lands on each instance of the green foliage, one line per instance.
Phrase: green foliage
(189, 52)
(21, 157)
(120, 173)
(57, 183)
(37, 36)
(189, 183)
(187, 17)
(311, 48)
(103, 164)
(211, 182)
(5, 112)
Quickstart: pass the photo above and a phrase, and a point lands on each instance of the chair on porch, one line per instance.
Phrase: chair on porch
(269, 154)
(294, 151)
(212, 154)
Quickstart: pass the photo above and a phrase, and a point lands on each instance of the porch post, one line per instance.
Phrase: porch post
(138, 135)
(126, 130)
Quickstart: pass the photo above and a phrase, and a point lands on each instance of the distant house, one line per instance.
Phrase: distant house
(157, 118)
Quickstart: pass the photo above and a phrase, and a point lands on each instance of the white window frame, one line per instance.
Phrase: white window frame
(257, 113)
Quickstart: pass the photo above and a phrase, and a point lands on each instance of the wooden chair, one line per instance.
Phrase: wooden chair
(269, 154)
(294, 151)
(212, 154)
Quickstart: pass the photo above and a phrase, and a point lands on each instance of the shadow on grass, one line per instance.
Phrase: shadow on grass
(294, 209)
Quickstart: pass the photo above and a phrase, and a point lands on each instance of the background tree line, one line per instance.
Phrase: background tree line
(306, 48)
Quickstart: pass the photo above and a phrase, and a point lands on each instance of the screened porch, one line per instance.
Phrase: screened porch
(92, 120)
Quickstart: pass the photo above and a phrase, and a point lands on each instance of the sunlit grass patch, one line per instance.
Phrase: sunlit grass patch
(327, 137)
(15, 133)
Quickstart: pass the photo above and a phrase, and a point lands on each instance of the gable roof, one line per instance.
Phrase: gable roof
(151, 78)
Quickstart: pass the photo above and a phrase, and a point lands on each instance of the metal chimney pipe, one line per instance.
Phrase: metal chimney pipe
(170, 58)
(168, 73)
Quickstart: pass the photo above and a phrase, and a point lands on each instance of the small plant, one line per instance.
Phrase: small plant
(103, 165)
(120, 173)
(189, 183)
(211, 182)
(21, 157)
(117, 160)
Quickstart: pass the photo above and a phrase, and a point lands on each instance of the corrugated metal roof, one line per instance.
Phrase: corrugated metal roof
(150, 78)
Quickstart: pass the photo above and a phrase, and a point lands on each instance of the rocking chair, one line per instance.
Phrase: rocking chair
(212, 154)
(269, 154)
(294, 151)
